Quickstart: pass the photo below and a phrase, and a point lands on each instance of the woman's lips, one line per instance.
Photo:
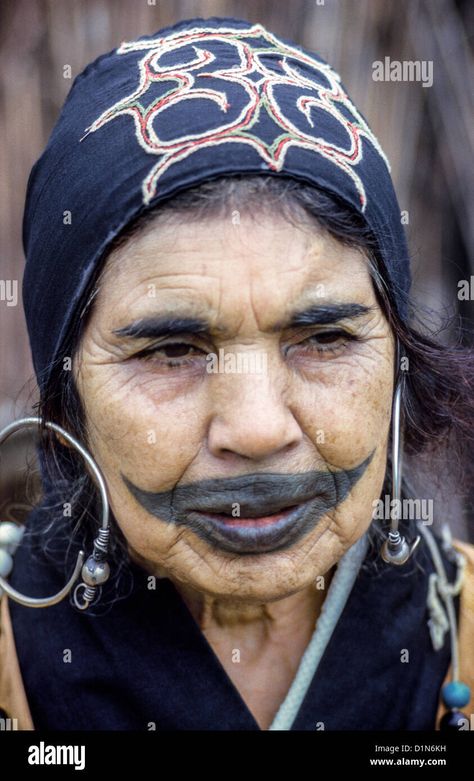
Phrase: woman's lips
(259, 534)
(263, 520)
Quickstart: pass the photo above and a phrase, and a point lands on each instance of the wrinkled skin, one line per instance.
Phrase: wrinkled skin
(323, 404)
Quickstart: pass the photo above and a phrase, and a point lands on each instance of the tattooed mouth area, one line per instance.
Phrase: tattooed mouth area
(255, 513)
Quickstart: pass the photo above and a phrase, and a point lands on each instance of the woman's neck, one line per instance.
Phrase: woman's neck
(259, 645)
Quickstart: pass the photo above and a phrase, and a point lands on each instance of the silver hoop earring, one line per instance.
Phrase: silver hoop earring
(95, 571)
(396, 550)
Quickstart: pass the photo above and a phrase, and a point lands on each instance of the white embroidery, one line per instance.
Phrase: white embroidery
(260, 96)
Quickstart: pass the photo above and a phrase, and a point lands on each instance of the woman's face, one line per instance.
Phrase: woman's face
(237, 381)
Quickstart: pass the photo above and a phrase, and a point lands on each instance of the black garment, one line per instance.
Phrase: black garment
(144, 662)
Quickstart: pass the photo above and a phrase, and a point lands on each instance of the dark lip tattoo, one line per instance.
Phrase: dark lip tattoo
(275, 510)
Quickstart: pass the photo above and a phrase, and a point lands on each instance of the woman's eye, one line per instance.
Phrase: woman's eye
(172, 354)
(324, 343)
(176, 350)
(329, 337)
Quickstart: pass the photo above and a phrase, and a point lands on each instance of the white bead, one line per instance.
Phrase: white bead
(10, 536)
(6, 563)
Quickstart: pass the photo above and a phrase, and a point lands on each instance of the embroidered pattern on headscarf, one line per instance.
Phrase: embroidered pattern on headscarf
(260, 82)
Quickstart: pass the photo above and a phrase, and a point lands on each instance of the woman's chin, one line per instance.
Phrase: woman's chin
(264, 577)
(249, 579)
(260, 593)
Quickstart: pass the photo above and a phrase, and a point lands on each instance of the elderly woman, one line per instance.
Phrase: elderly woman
(216, 292)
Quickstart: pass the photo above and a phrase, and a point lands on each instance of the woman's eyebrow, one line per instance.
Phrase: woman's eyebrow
(323, 314)
(154, 327)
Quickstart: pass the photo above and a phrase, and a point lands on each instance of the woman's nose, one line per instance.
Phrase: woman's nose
(251, 418)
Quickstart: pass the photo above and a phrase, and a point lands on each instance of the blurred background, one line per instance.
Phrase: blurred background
(427, 133)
